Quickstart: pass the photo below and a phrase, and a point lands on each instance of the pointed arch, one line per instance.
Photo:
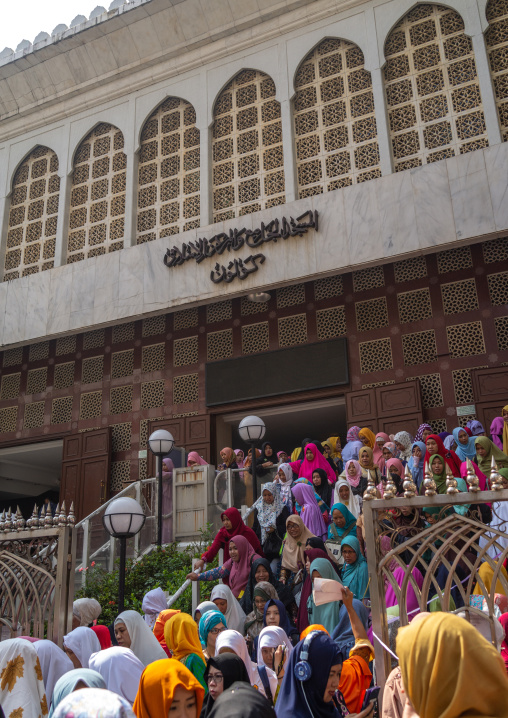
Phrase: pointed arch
(432, 88)
(247, 154)
(334, 119)
(496, 38)
(169, 172)
(97, 203)
(33, 215)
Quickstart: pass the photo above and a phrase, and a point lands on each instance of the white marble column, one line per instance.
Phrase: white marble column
(487, 89)
(131, 186)
(4, 221)
(205, 175)
(62, 228)
(383, 127)
(289, 150)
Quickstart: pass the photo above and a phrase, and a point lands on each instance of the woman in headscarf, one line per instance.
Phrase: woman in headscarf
(343, 523)
(335, 445)
(240, 458)
(275, 614)
(485, 450)
(262, 571)
(395, 470)
(482, 479)
(314, 460)
(268, 651)
(398, 573)
(423, 431)
(459, 652)
(486, 574)
(284, 478)
(465, 447)
(182, 639)
(504, 414)
(353, 475)
(94, 703)
(437, 466)
(355, 574)
(403, 442)
(310, 555)
(132, 632)
(328, 613)
(221, 672)
(168, 688)
(242, 701)
(344, 495)
(229, 606)
(263, 592)
(233, 642)
(210, 625)
(158, 629)
(266, 461)
(236, 569)
(293, 559)
(194, 459)
(248, 459)
(367, 437)
(381, 439)
(153, 603)
(270, 522)
(496, 431)
(79, 645)
(72, 681)
(85, 611)
(503, 620)
(54, 664)
(120, 669)
(499, 520)
(390, 451)
(416, 462)
(232, 525)
(322, 487)
(228, 457)
(476, 427)
(203, 608)
(22, 693)
(104, 636)
(367, 465)
(310, 511)
(434, 445)
(167, 499)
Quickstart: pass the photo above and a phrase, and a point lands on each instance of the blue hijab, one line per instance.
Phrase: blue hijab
(464, 451)
(349, 528)
(327, 614)
(343, 633)
(284, 621)
(417, 473)
(350, 451)
(304, 699)
(208, 621)
(68, 682)
(356, 575)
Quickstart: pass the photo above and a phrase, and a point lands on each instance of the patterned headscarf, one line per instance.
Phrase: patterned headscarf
(353, 433)
(421, 429)
(268, 513)
(94, 703)
(407, 442)
(22, 690)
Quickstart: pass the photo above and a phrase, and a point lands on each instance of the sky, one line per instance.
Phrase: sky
(24, 19)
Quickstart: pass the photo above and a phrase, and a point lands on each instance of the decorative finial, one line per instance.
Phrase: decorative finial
(56, 517)
(71, 519)
(2, 521)
(471, 478)
(409, 486)
(8, 520)
(451, 482)
(495, 479)
(428, 483)
(20, 521)
(42, 516)
(32, 521)
(48, 520)
(62, 519)
(390, 491)
(371, 491)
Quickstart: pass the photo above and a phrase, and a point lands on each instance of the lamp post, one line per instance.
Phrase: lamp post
(122, 519)
(251, 430)
(161, 443)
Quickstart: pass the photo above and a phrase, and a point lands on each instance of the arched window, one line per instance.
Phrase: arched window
(97, 212)
(432, 90)
(335, 125)
(248, 161)
(168, 179)
(497, 44)
(33, 215)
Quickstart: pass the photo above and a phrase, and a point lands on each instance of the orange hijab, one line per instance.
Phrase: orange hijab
(355, 678)
(182, 638)
(368, 434)
(158, 629)
(157, 688)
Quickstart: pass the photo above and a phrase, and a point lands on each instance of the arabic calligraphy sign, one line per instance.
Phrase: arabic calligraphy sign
(234, 240)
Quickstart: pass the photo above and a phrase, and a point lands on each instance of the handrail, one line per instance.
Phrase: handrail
(133, 485)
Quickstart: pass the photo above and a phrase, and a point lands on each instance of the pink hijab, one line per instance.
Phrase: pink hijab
(482, 479)
(354, 481)
(318, 462)
(240, 462)
(239, 571)
(378, 453)
(194, 456)
(393, 449)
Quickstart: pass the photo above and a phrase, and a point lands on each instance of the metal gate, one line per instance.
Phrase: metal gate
(37, 574)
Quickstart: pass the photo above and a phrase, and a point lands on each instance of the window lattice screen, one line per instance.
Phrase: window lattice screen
(496, 38)
(432, 89)
(248, 162)
(335, 125)
(97, 213)
(168, 192)
(31, 235)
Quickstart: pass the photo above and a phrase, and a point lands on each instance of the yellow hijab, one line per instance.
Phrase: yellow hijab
(332, 442)
(449, 670)
(486, 573)
(182, 638)
(296, 453)
(368, 434)
(505, 430)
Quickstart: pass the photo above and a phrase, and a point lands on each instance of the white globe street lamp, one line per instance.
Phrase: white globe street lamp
(251, 430)
(161, 443)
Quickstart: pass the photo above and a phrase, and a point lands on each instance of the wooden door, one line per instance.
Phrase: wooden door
(86, 462)
(490, 391)
(392, 408)
(190, 432)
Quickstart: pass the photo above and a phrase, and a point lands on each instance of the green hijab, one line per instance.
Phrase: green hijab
(327, 614)
(492, 451)
(356, 575)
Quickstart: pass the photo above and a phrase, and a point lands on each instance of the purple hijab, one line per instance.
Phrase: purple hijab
(412, 605)
(311, 513)
(496, 431)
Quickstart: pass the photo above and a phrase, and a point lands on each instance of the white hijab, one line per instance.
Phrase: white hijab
(54, 663)
(87, 610)
(153, 603)
(236, 643)
(144, 645)
(82, 641)
(352, 504)
(235, 615)
(121, 670)
(204, 607)
(272, 637)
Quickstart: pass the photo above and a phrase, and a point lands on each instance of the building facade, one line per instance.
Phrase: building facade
(348, 159)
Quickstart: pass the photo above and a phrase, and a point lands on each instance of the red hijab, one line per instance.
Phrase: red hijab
(450, 457)
(503, 620)
(238, 528)
(104, 636)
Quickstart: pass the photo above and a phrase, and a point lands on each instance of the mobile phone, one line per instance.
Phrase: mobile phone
(371, 694)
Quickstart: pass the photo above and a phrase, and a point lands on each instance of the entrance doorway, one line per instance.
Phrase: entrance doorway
(30, 473)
